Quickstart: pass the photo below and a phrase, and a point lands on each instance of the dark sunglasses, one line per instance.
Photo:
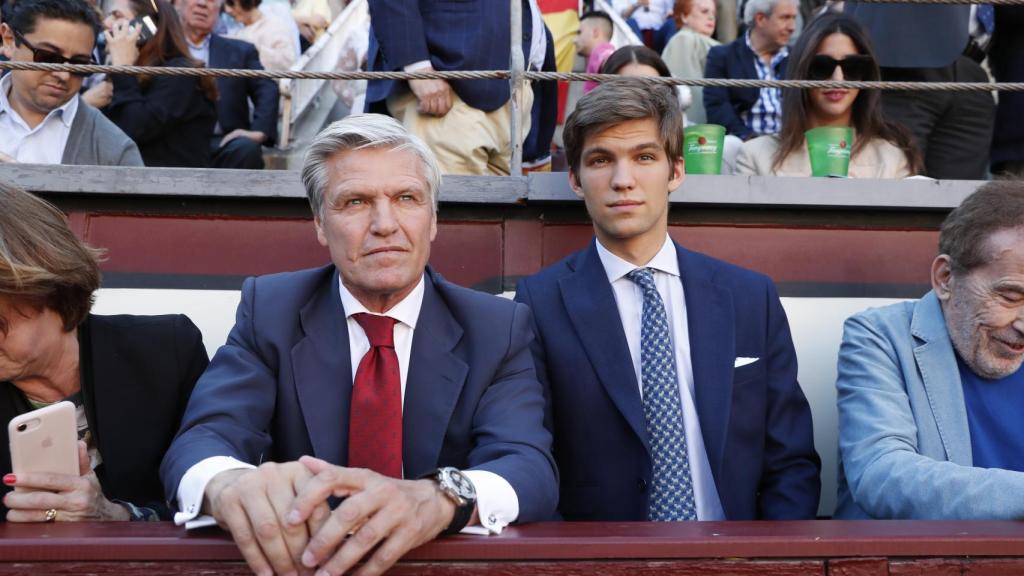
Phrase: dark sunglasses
(44, 56)
(855, 67)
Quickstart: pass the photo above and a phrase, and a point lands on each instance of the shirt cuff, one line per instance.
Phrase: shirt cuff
(193, 486)
(418, 66)
(496, 502)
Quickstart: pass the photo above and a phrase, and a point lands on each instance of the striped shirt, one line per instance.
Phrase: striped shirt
(765, 117)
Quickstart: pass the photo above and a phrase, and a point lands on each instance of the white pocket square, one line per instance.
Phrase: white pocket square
(743, 361)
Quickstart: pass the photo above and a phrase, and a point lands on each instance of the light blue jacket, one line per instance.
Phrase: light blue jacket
(904, 442)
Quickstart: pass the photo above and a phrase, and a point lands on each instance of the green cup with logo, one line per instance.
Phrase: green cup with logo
(702, 148)
(829, 148)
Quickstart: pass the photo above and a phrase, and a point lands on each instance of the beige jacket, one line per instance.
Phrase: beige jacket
(878, 159)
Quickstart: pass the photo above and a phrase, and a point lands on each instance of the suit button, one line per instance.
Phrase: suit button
(641, 484)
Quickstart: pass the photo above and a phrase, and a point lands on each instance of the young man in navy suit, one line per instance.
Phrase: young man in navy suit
(671, 376)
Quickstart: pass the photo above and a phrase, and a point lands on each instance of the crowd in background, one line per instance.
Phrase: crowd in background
(227, 122)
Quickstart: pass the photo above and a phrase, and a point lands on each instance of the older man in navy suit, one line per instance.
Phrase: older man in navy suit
(760, 54)
(376, 366)
(239, 135)
(671, 375)
(466, 122)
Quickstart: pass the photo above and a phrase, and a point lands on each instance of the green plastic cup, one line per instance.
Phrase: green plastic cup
(702, 148)
(829, 148)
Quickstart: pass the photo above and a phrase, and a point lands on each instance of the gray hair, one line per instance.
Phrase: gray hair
(358, 132)
(995, 206)
(755, 7)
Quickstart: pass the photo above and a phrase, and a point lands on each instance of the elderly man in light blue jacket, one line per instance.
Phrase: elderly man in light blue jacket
(931, 392)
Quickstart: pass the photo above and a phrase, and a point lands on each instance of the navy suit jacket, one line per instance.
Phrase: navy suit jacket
(734, 60)
(235, 93)
(755, 420)
(453, 35)
(281, 387)
(914, 36)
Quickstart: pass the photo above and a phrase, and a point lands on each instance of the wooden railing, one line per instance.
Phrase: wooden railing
(862, 548)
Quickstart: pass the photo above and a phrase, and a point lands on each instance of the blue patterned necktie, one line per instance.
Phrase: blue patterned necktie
(672, 491)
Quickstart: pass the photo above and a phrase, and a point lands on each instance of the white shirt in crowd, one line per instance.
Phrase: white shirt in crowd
(43, 144)
(497, 502)
(629, 300)
(650, 17)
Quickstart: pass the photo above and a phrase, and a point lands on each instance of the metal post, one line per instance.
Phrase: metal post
(516, 85)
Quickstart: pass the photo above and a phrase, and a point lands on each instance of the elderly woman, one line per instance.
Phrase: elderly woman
(129, 376)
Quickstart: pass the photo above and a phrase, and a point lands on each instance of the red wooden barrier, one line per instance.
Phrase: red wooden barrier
(864, 548)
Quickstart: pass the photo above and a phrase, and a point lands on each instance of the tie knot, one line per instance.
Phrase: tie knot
(380, 330)
(643, 277)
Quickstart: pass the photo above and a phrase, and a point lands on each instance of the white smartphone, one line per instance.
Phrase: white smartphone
(45, 440)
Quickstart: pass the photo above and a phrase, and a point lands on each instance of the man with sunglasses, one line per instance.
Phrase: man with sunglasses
(42, 118)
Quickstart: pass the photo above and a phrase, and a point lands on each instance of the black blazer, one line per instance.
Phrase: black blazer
(913, 36)
(734, 60)
(235, 93)
(168, 118)
(137, 375)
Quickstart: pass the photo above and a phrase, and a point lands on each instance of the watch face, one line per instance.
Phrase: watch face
(459, 483)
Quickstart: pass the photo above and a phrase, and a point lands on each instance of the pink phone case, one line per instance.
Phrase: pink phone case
(45, 440)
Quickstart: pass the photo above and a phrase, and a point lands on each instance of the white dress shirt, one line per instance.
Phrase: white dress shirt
(497, 502)
(651, 17)
(629, 300)
(43, 144)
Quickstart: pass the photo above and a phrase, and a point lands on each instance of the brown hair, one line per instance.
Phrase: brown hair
(42, 262)
(866, 117)
(995, 206)
(679, 9)
(620, 100)
(168, 42)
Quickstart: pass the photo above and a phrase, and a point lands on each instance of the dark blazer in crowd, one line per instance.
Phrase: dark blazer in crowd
(235, 93)
(452, 35)
(472, 399)
(137, 375)
(913, 35)
(724, 106)
(919, 43)
(754, 418)
(169, 118)
(1006, 60)
(544, 114)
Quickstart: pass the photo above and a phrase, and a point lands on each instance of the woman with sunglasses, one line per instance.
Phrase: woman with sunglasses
(171, 118)
(833, 47)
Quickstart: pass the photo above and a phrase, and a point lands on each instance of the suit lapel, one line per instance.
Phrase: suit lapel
(711, 327)
(216, 55)
(434, 382)
(322, 370)
(591, 306)
(936, 362)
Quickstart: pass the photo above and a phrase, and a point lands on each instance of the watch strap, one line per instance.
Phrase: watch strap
(463, 512)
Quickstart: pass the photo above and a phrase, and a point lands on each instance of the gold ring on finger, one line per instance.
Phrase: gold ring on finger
(51, 514)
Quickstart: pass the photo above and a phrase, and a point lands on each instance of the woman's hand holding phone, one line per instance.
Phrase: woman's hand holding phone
(122, 43)
(75, 498)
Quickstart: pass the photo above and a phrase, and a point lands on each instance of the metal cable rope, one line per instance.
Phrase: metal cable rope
(504, 75)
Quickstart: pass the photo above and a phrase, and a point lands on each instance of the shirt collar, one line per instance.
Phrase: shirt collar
(407, 311)
(616, 268)
(65, 113)
(204, 45)
(782, 53)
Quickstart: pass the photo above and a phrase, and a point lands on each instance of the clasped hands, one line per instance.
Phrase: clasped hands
(279, 516)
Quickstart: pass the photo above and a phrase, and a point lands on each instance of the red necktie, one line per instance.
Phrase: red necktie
(375, 421)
